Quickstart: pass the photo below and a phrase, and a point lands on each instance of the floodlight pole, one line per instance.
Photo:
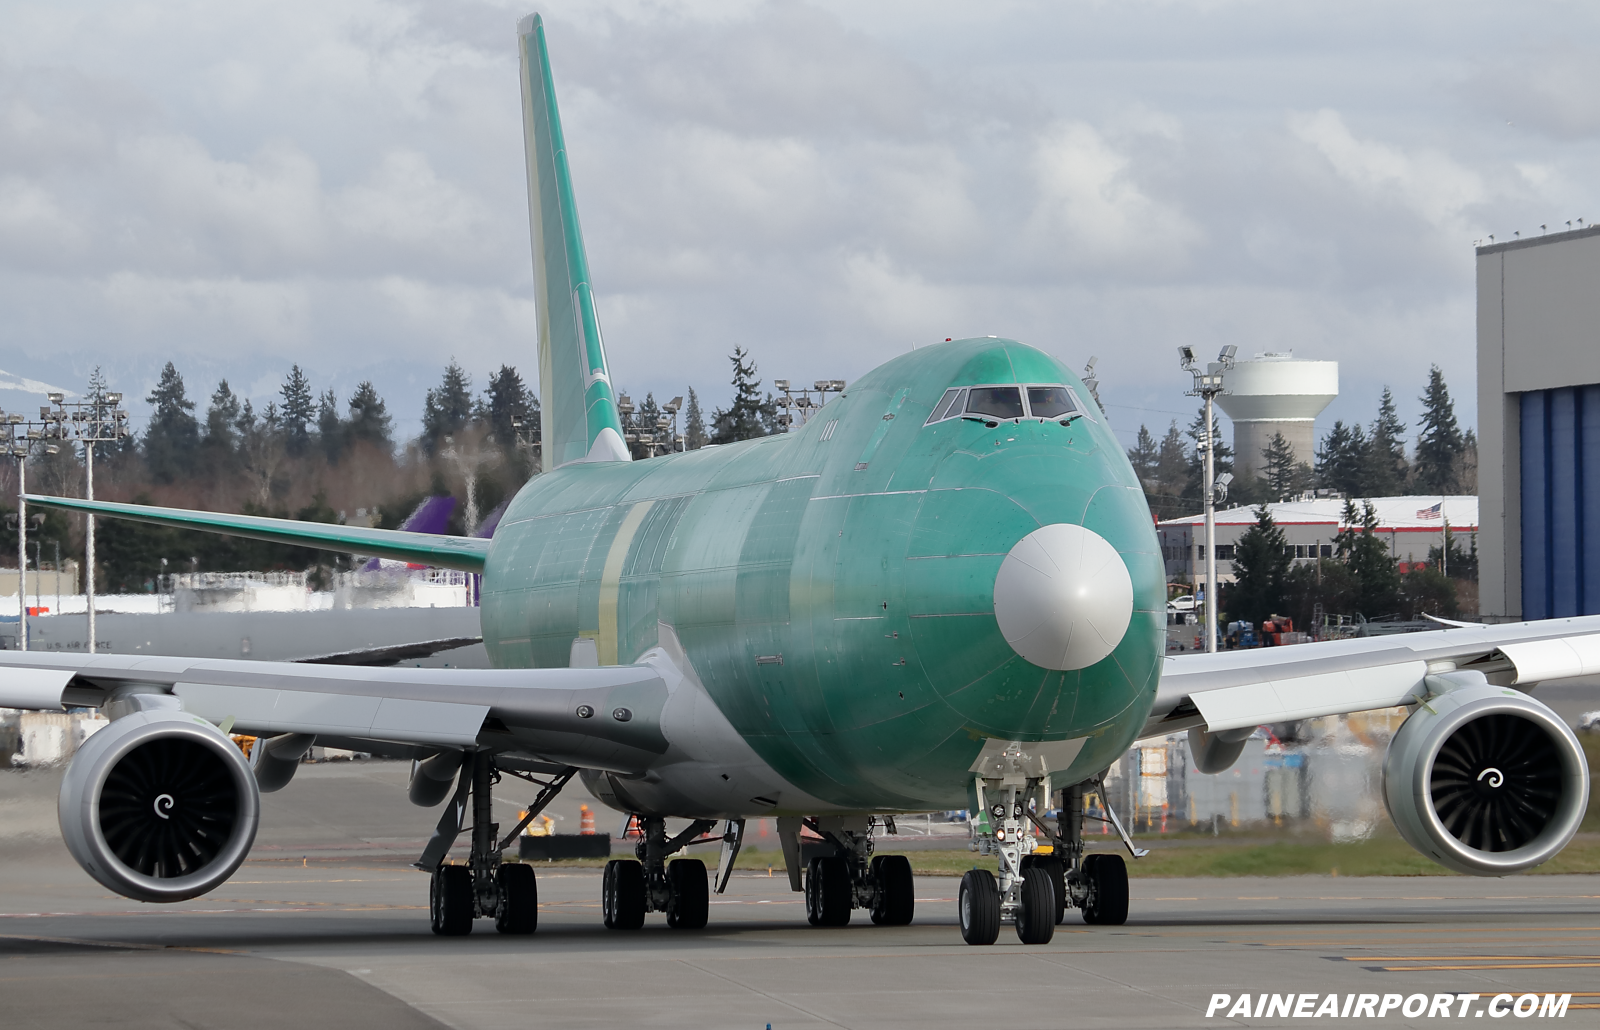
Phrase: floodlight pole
(88, 540)
(1207, 384)
(22, 550)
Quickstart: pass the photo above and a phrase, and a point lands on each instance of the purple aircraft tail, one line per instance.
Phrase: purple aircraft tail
(431, 516)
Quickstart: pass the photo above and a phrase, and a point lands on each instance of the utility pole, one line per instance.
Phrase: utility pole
(99, 419)
(18, 441)
(1207, 384)
(21, 454)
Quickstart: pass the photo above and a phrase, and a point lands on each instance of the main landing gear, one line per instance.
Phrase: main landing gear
(484, 888)
(633, 887)
(852, 877)
(1036, 883)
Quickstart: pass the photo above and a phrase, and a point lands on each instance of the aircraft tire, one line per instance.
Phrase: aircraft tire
(450, 901)
(1056, 871)
(979, 907)
(690, 904)
(896, 900)
(828, 892)
(622, 894)
(1108, 890)
(1036, 922)
(519, 899)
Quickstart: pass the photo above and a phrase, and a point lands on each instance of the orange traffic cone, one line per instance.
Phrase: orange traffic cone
(585, 820)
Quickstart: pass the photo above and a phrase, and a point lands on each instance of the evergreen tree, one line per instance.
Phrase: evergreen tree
(1427, 591)
(744, 419)
(330, 427)
(1324, 582)
(1367, 556)
(1341, 462)
(1172, 475)
(507, 401)
(1384, 470)
(299, 410)
(369, 417)
(694, 424)
(1261, 563)
(173, 437)
(1144, 456)
(222, 420)
(649, 414)
(1467, 475)
(1463, 564)
(1285, 475)
(448, 408)
(1440, 444)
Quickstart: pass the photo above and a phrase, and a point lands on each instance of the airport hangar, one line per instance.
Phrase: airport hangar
(1539, 427)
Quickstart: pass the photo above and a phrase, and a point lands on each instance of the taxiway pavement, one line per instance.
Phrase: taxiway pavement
(326, 925)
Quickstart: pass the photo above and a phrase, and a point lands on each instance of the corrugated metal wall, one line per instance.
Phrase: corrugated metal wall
(1561, 502)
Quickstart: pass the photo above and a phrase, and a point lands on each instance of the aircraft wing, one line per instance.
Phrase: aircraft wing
(568, 717)
(446, 552)
(1235, 689)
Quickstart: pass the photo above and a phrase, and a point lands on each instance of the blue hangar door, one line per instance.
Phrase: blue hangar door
(1561, 502)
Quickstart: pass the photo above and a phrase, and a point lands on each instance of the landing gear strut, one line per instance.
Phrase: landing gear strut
(633, 887)
(1095, 884)
(484, 887)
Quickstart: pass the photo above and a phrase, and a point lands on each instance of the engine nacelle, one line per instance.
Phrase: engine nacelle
(1485, 780)
(159, 806)
(1216, 752)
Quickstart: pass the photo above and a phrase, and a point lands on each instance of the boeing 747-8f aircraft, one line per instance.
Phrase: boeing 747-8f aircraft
(944, 591)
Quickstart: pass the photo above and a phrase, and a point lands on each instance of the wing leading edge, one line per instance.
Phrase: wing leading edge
(1235, 689)
(598, 718)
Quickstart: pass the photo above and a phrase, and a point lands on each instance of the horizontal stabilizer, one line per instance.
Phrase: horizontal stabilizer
(445, 552)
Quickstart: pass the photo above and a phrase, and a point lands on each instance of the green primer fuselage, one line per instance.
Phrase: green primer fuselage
(841, 617)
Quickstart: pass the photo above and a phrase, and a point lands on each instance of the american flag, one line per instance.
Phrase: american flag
(1431, 513)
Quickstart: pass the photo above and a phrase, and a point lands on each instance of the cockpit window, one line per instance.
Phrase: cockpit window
(1050, 402)
(998, 402)
(1047, 402)
(949, 404)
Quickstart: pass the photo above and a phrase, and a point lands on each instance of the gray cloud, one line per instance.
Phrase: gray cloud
(238, 187)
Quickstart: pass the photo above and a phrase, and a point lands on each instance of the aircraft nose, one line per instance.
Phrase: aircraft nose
(1063, 597)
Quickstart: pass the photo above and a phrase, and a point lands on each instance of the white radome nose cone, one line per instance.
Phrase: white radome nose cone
(1063, 597)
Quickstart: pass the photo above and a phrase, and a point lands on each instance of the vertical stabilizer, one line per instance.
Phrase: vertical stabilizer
(578, 409)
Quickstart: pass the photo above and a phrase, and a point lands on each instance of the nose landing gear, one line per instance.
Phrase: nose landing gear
(1037, 884)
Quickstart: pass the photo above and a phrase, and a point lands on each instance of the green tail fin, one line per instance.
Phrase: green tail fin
(578, 415)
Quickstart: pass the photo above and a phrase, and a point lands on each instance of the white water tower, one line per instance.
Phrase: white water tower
(1273, 393)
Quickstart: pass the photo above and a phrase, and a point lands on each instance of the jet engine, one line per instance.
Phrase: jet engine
(159, 806)
(1485, 780)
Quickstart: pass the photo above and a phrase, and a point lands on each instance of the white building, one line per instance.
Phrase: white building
(1409, 525)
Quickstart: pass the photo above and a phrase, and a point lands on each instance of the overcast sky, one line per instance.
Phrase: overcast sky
(339, 183)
